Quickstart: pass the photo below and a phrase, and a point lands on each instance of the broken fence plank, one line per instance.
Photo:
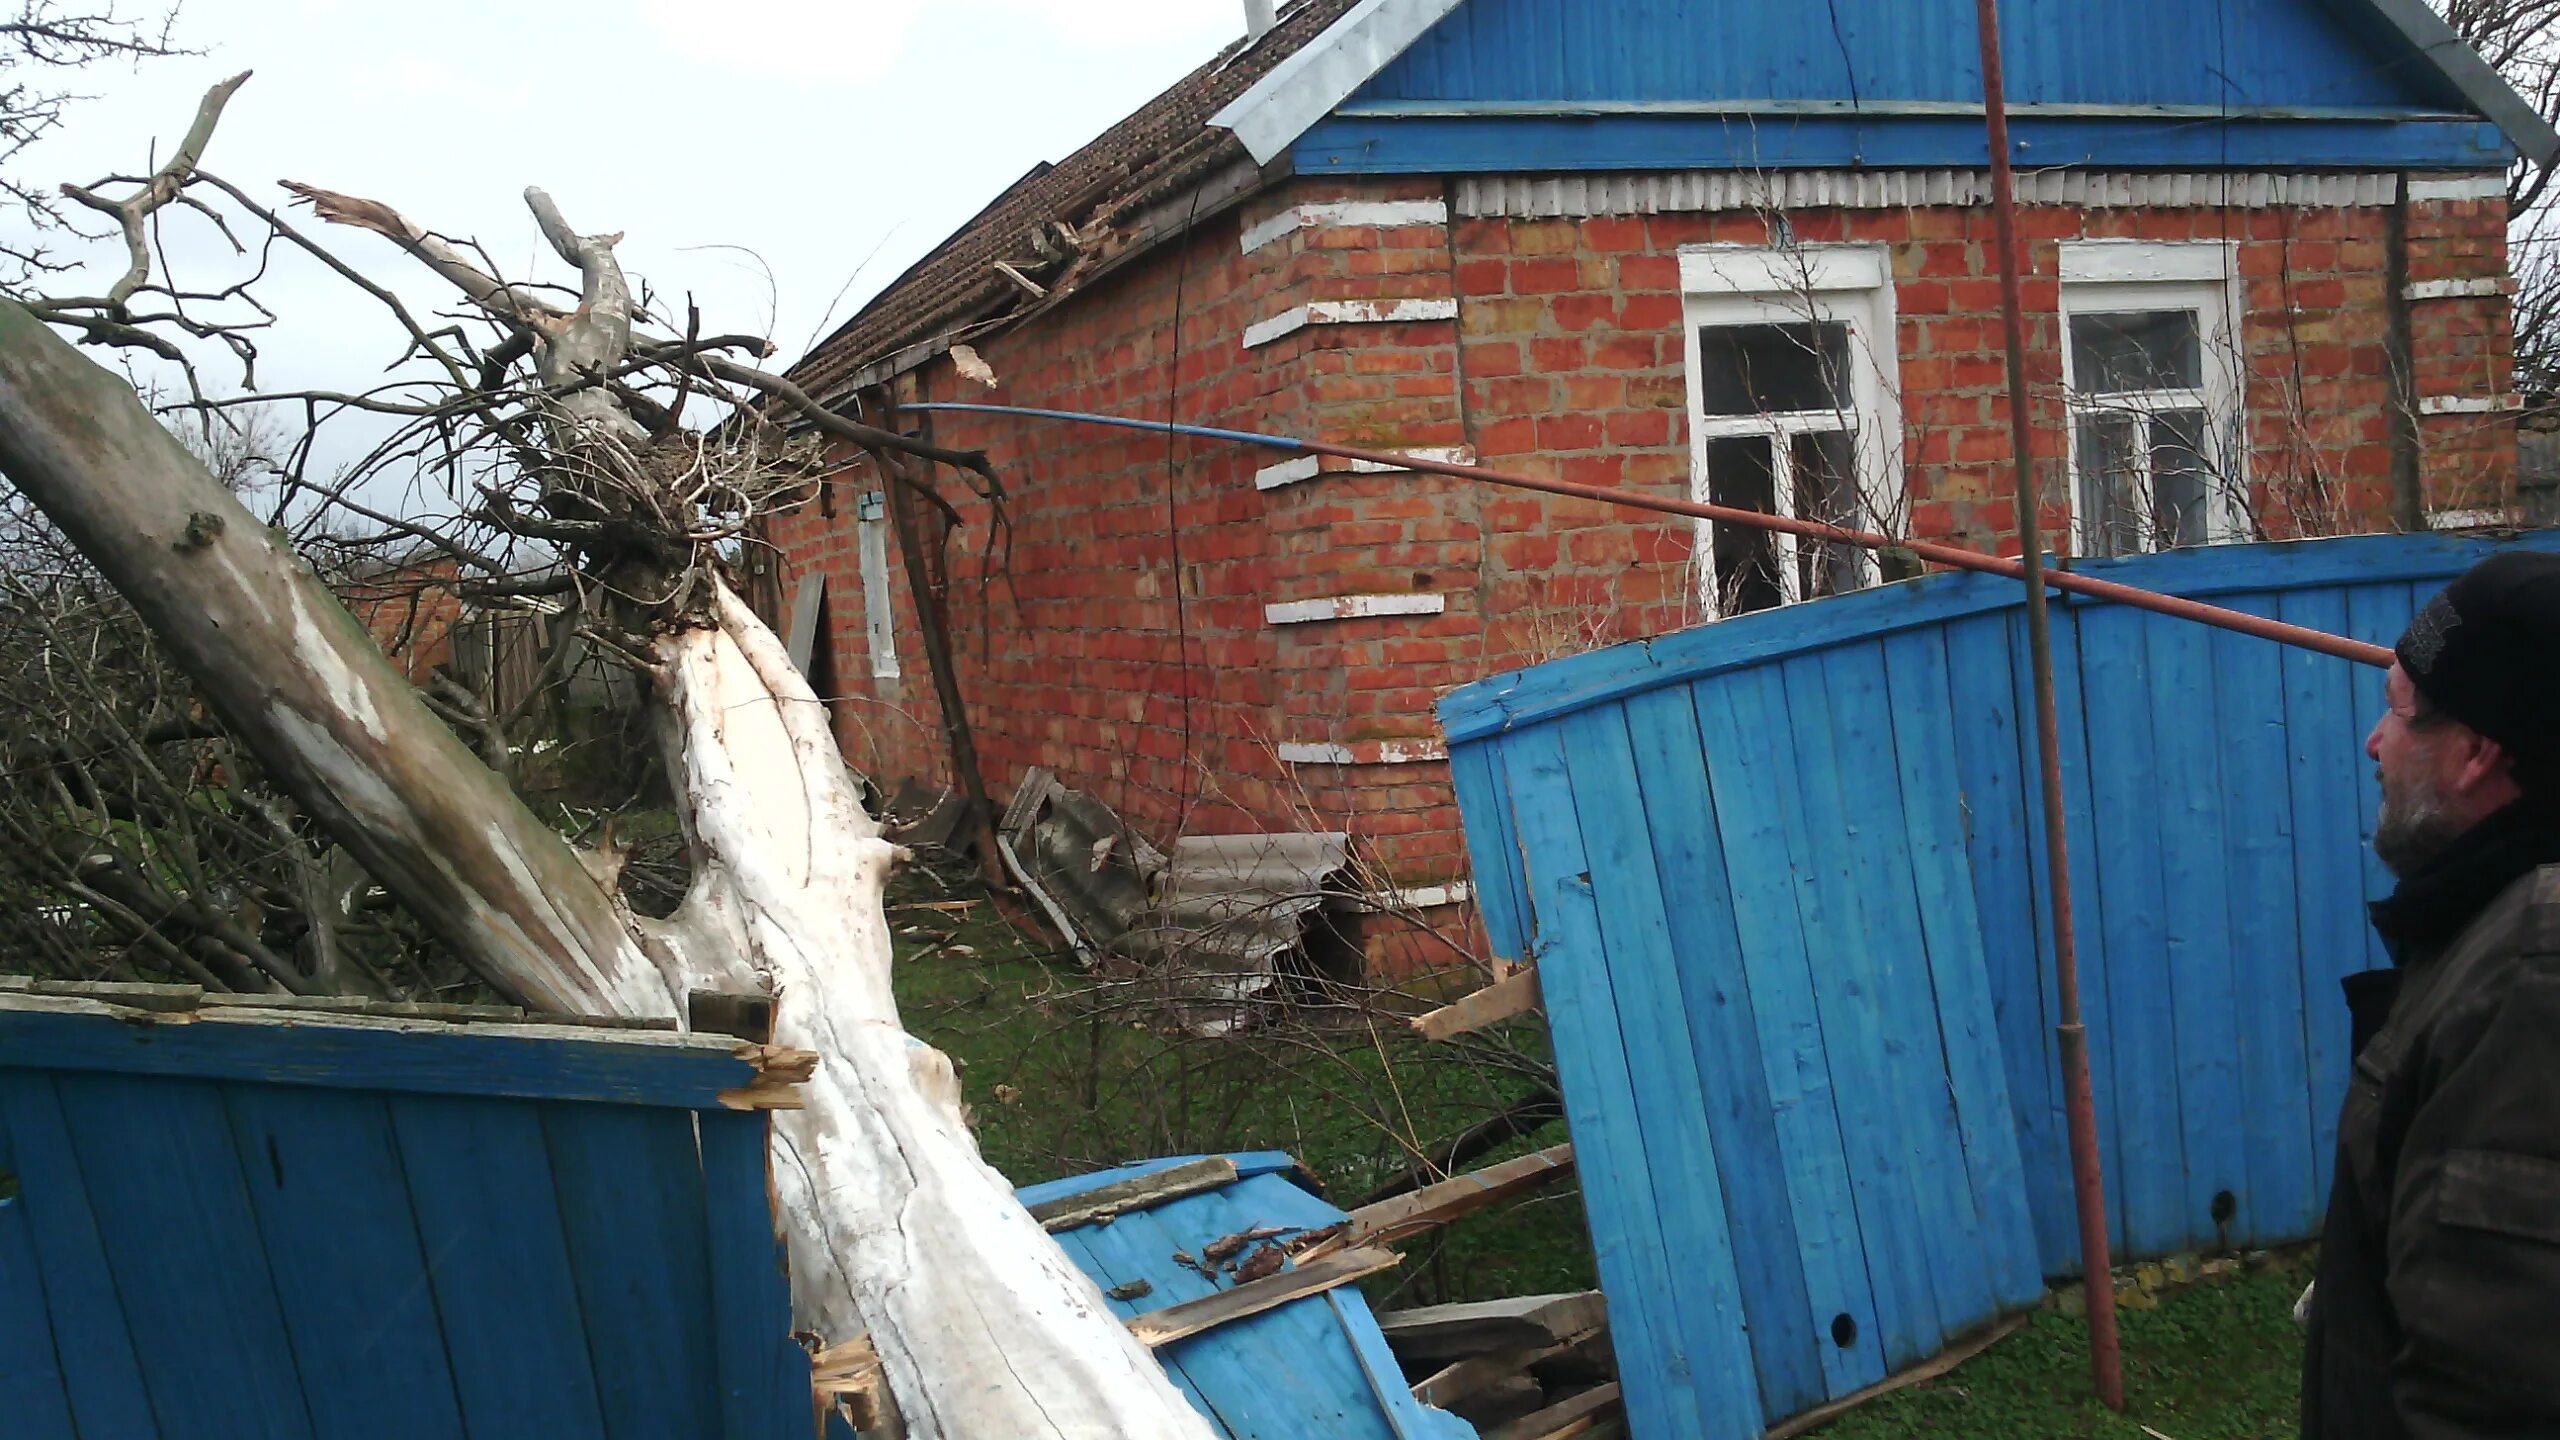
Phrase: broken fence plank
(1436, 1205)
(1460, 1379)
(1136, 1193)
(1929, 1369)
(1175, 1322)
(1450, 1332)
(1577, 1415)
(1499, 1001)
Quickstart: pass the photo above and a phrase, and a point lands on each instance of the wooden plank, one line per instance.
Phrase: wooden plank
(1495, 1003)
(1845, 987)
(33, 1393)
(332, 1207)
(1599, 1090)
(1569, 1417)
(2140, 1080)
(1138, 1192)
(1493, 848)
(1460, 1379)
(1915, 1059)
(2078, 810)
(630, 1188)
(92, 1340)
(1959, 985)
(1996, 791)
(173, 1213)
(1743, 725)
(2187, 807)
(2258, 855)
(2329, 847)
(480, 1182)
(762, 1373)
(1715, 992)
(1683, 1167)
(1177, 1322)
(1436, 1205)
(1478, 1327)
(637, 1067)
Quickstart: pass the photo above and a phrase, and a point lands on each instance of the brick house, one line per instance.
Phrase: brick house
(1702, 247)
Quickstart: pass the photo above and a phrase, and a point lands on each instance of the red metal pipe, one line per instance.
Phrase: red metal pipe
(2106, 1363)
(1953, 557)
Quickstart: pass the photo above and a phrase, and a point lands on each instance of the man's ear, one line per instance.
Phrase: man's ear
(2485, 765)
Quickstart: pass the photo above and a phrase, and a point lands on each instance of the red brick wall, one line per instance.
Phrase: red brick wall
(1565, 358)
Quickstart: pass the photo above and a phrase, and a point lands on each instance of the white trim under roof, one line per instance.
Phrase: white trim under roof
(1306, 87)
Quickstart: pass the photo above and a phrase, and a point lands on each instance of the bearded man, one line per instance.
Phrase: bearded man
(2436, 1310)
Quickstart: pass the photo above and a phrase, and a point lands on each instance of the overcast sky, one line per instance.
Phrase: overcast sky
(836, 140)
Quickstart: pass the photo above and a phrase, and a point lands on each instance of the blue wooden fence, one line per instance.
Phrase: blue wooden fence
(1783, 878)
(230, 1224)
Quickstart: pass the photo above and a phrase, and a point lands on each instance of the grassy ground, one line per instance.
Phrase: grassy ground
(1065, 1074)
(2220, 1360)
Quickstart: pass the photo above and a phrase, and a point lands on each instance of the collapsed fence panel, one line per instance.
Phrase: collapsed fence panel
(1783, 880)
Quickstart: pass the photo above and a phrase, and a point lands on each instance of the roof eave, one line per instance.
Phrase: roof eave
(1306, 87)
(2466, 70)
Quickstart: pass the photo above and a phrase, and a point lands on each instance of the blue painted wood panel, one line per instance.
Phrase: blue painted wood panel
(1565, 85)
(1843, 796)
(354, 1253)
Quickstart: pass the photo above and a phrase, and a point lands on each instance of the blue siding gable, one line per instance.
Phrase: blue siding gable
(1714, 84)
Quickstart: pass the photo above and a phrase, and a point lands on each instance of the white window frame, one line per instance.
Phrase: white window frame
(1851, 285)
(2202, 276)
(871, 540)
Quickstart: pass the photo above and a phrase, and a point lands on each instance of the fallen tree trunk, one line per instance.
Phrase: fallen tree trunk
(894, 1223)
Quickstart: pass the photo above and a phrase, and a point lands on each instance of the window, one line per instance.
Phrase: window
(872, 540)
(2152, 380)
(1789, 413)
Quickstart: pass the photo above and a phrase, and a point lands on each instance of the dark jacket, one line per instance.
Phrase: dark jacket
(2437, 1310)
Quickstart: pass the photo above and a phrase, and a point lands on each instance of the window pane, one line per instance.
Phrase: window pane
(1826, 489)
(2181, 482)
(2136, 350)
(2112, 518)
(1746, 560)
(1773, 369)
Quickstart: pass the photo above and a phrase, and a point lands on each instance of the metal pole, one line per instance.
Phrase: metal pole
(2106, 1369)
(1950, 556)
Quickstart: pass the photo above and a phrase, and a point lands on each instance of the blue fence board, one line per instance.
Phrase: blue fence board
(90, 1335)
(332, 1206)
(238, 1239)
(1843, 798)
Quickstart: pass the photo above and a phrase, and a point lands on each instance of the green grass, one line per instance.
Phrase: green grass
(2219, 1360)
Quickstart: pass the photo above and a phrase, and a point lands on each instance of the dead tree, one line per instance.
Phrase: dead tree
(894, 1223)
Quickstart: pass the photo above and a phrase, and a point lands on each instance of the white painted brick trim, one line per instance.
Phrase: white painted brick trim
(2469, 404)
(2452, 289)
(1287, 472)
(1425, 897)
(1346, 312)
(2460, 187)
(1384, 214)
(2467, 519)
(1374, 752)
(1307, 467)
(1351, 607)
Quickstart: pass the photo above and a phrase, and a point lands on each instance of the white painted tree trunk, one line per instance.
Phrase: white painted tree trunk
(985, 1329)
(983, 1325)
